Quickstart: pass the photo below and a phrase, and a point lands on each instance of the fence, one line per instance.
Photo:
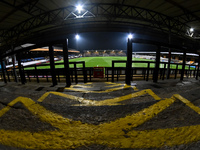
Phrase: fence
(80, 73)
(147, 70)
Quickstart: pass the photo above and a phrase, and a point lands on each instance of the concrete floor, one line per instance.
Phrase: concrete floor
(101, 115)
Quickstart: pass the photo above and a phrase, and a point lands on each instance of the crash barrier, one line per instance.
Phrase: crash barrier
(80, 73)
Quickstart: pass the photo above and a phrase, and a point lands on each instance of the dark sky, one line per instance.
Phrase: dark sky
(105, 41)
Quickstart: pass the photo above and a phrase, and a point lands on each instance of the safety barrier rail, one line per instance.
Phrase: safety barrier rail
(148, 69)
(78, 71)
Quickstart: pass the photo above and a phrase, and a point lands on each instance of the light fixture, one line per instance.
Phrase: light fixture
(130, 36)
(79, 8)
(77, 36)
(191, 29)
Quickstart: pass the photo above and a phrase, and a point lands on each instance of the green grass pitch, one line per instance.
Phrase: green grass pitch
(106, 62)
(103, 62)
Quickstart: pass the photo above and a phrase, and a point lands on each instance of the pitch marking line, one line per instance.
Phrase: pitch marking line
(72, 134)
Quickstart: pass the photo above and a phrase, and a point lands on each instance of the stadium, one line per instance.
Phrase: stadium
(99, 74)
(38, 59)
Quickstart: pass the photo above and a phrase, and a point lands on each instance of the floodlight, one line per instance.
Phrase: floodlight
(77, 36)
(79, 8)
(130, 36)
(191, 29)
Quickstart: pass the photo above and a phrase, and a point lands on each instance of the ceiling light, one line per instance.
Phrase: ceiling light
(79, 8)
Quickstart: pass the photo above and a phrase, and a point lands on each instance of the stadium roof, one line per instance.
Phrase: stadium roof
(36, 21)
(46, 49)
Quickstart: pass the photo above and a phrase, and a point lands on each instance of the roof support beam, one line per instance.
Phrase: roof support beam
(19, 7)
(189, 15)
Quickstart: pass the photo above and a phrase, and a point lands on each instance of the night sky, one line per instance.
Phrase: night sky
(106, 41)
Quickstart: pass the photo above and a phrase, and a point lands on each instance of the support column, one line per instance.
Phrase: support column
(129, 62)
(14, 69)
(52, 65)
(3, 72)
(14, 61)
(183, 66)
(22, 76)
(66, 63)
(156, 69)
(169, 59)
(197, 75)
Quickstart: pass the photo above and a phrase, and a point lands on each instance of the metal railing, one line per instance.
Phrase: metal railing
(80, 73)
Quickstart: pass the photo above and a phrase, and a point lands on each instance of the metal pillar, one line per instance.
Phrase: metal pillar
(156, 70)
(183, 66)
(14, 70)
(84, 73)
(129, 62)
(22, 76)
(169, 59)
(14, 61)
(197, 75)
(2, 68)
(52, 65)
(66, 63)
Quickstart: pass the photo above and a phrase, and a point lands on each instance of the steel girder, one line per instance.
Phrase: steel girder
(187, 16)
(97, 12)
(28, 7)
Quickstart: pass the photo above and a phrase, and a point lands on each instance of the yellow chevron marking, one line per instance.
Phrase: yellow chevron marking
(78, 87)
(106, 91)
(72, 134)
(113, 101)
(114, 85)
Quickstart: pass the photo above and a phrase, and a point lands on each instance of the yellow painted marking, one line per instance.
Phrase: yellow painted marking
(37, 110)
(114, 85)
(113, 101)
(139, 118)
(88, 83)
(72, 134)
(79, 85)
(126, 97)
(126, 86)
(187, 102)
(110, 83)
(106, 91)
(75, 98)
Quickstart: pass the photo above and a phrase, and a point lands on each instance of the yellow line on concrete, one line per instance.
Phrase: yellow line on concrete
(44, 140)
(126, 97)
(113, 101)
(88, 83)
(119, 133)
(79, 85)
(105, 91)
(36, 109)
(110, 83)
(114, 85)
(151, 138)
(187, 102)
(74, 98)
(139, 118)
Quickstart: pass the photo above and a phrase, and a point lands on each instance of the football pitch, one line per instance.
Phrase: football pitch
(105, 62)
